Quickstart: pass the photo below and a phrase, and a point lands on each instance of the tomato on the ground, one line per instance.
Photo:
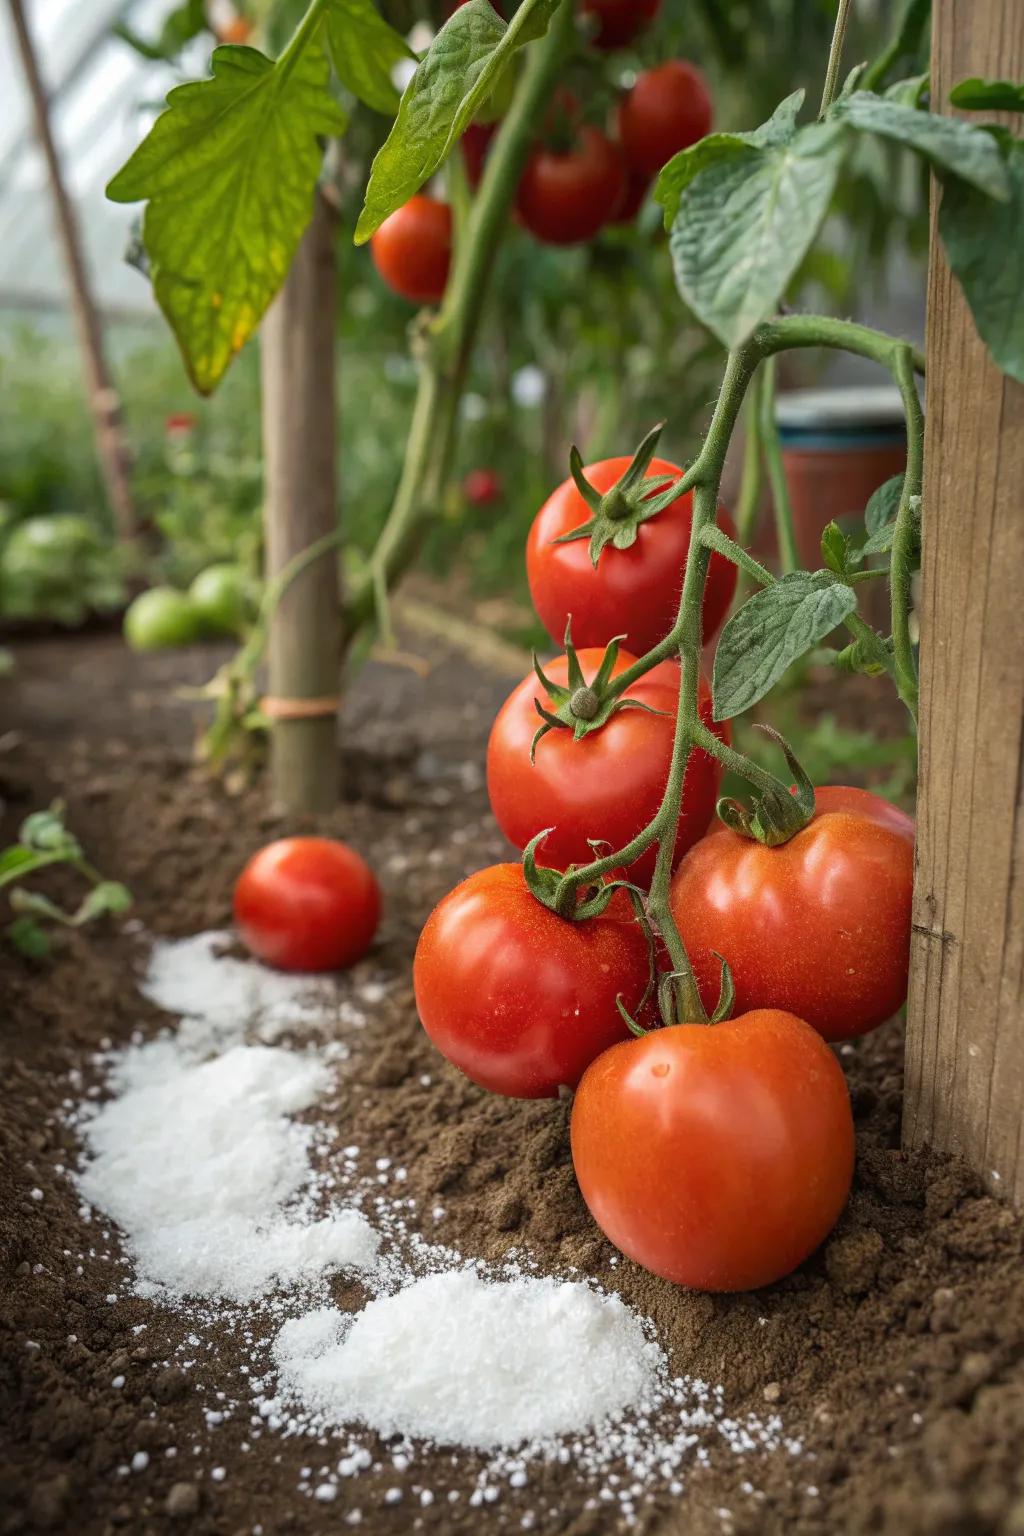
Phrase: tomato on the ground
(607, 785)
(517, 998)
(307, 904)
(819, 926)
(631, 592)
(619, 21)
(566, 196)
(412, 249)
(668, 109)
(162, 618)
(225, 596)
(716, 1156)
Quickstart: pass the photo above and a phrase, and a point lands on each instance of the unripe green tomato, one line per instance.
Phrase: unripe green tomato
(160, 618)
(224, 597)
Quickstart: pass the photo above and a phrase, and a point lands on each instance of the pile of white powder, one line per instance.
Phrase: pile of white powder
(218, 1157)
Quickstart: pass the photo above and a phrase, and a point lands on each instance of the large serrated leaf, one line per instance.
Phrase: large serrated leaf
(770, 631)
(985, 250)
(364, 50)
(688, 164)
(746, 223)
(951, 146)
(452, 81)
(228, 172)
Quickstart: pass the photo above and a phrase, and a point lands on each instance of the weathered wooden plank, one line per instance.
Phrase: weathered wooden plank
(965, 1026)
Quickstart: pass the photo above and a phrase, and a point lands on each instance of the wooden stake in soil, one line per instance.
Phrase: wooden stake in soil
(104, 401)
(965, 1023)
(297, 365)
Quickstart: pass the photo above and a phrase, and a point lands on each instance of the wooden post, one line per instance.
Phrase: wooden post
(965, 1023)
(297, 366)
(104, 401)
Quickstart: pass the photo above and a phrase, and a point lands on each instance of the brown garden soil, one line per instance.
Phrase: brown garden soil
(896, 1354)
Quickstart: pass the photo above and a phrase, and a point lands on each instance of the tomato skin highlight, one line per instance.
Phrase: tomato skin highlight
(609, 784)
(668, 109)
(619, 21)
(307, 904)
(412, 249)
(518, 999)
(565, 197)
(819, 926)
(716, 1156)
(631, 592)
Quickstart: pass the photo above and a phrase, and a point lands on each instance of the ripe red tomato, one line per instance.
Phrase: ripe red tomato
(668, 109)
(619, 21)
(483, 487)
(819, 926)
(632, 592)
(307, 904)
(519, 999)
(412, 249)
(565, 197)
(607, 785)
(717, 1156)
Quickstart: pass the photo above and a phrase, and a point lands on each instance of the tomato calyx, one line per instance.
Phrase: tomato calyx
(582, 706)
(781, 812)
(616, 514)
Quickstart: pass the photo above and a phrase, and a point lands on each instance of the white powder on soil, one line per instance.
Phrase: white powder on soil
(196, 979)
(196, 1160)
(461, 1360)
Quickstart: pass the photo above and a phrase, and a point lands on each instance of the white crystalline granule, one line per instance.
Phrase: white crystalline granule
(191, 978)
(461, 1360)
(195, 1159)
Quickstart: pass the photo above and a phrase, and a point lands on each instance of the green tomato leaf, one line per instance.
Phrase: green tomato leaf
(183, 24)
(676, 176)
(835, 548)
(27, 936)
(880, 543)
(364, 50)
(228, 173)
(883, 505)
(770, 631)
(108, 896)
(908, 92)
(452, 81)
(985, 250)
(18, 860)
(976, 95)
(45, 832)
(746, 223)
(951, 146)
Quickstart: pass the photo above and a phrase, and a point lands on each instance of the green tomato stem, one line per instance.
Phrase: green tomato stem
(782, 505)
(445, 343)
(835, 56)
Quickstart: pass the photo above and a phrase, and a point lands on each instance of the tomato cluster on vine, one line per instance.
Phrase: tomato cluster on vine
(580, 177)
(720, 1154)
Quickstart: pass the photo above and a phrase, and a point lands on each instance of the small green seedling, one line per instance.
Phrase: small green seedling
(44, 841)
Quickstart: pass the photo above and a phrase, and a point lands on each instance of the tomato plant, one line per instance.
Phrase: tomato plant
(307, 904)
(819, 926)
(716, 1157)
(667, 110)
(412, 249)
(566, 196)
(619, 21)
(606, 785)
(520, 999)
(631, 591)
